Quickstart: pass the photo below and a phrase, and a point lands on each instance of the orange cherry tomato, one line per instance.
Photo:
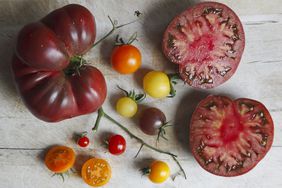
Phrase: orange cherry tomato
(159, 172)
(59, 159)
(126, 59)
(96, 172)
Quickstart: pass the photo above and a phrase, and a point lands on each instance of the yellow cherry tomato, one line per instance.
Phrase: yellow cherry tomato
(159, 172)
(156, 84)
(96, 172)
(59, 159)
(126, 107)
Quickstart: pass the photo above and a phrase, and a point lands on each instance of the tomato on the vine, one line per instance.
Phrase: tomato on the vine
(96, 172)
(157, 84)
(158, 172)
(127, 106)
(117, 144)
(126, 59)
(59, 159)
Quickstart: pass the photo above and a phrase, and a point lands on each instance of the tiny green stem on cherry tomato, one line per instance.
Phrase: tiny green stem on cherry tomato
(138, 98)
(173, 78)
(145, 171)
(101, 113)
(162, 131)
(120, 41)
(115, 26)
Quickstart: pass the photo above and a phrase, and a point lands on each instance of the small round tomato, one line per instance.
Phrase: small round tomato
(126, 107)
(117, 145)
(59, 159)
(126, 59)
(83, 141)
(96, 172)
(158, 172)
(156, 84)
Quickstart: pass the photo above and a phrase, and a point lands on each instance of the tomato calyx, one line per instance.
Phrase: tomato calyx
(173, 78)
(138, 98)
(120, 41)
(63, 174)
(162, 131)
(76, 63)
(145, 171)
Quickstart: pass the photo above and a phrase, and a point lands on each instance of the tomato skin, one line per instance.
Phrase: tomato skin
(117, 145)
(156, 84)
(126, 59)
(159, 172)
(44, 49)
(151, 120)
(59, 159)
(83, 141)
(96, 172)
(126, 107)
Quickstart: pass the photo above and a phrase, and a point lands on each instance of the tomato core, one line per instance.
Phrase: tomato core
(76, 62)
(230, 129)
(200, 49)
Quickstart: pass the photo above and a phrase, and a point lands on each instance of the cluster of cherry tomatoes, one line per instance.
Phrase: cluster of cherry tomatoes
(125, 59)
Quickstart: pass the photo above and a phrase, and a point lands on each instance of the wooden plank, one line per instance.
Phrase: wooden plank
(28, 170)
(258, 77)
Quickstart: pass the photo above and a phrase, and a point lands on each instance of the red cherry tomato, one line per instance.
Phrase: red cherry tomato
(83, 141)
(117, 145)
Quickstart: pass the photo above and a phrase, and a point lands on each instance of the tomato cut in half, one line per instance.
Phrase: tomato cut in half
(207, 42)
(96, 172)
(59, 159)
(229, 138)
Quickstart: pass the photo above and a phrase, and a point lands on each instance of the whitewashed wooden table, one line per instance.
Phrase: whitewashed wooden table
(25, 138)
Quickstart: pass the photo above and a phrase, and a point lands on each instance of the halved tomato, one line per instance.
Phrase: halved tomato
(207, 42)
(59, 159)
(229, 138)
(96, 172)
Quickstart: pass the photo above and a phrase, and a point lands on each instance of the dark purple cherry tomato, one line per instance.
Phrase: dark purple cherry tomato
(117, 145)
(83, 141)
(151, 120)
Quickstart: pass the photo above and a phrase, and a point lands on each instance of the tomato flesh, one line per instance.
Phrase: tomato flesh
(228, 138)
(207, 41)
(96, 172)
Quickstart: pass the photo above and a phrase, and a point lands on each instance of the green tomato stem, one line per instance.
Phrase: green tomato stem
(114, 27)
(101, 113)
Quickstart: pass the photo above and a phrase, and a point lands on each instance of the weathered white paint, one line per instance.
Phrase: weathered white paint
(258, 77)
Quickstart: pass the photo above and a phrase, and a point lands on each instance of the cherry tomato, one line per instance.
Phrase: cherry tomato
(126, 59)
(117, 145)
(83, 141)
(59, 159)
(126, 107)
(96, 172)
(158, 172)
(151, 120)
(156, 84)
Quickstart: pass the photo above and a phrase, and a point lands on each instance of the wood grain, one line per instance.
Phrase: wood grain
(25, 138)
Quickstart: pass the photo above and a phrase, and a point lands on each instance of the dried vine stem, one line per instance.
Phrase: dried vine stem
(101, 114)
